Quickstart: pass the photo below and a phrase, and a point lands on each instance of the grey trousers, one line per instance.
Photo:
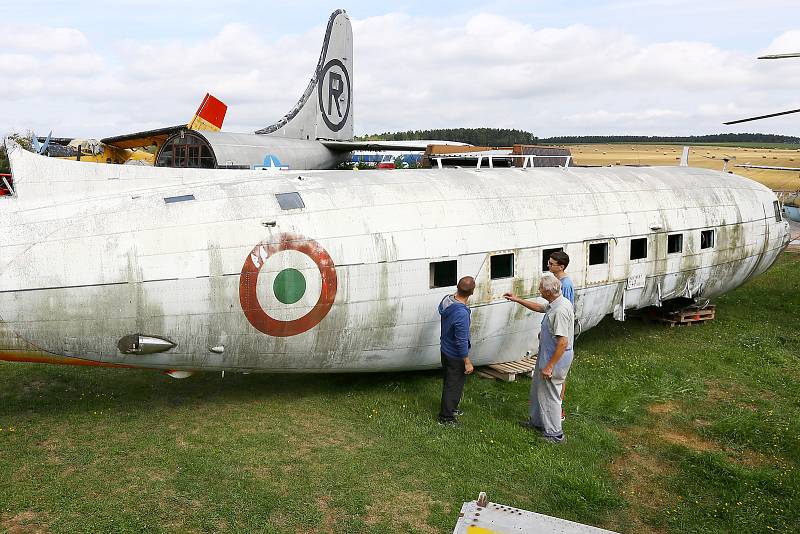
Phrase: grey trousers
(545, 404)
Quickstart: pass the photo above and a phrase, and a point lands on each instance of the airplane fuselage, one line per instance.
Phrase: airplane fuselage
(334, 271)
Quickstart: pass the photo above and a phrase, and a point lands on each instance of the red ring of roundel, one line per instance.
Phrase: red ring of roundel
(248, 284)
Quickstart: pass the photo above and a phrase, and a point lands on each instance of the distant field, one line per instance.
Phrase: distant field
(699, 156)
(691, 429)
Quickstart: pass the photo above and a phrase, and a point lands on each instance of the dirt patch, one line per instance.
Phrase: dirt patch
(52, 446)
(688, 440)
(750, 458)
(328, 515)
(719, 393)
(663, 408)
(639, 479)
(403, 508)
(24, 523)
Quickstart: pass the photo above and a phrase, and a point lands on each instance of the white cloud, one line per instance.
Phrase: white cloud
(39, 38)
(410, 73)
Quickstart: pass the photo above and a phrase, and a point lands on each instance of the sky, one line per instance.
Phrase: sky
(624, 67)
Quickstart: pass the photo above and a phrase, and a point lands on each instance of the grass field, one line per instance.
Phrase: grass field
(691, 429)
(710, 157)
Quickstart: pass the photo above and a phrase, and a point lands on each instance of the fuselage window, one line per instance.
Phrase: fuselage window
(638, 248)
(443, 273)
(546, 256)
(707, 239)
(290, 201)
(777, 207)
(674, 243)
(598, 253)
(181, 198)
(502, 266)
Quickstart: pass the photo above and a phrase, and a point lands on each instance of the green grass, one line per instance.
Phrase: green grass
(691, 429)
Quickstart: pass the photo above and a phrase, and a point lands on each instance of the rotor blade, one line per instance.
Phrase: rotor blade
(764, 116)
(768, 167)
(780, 56)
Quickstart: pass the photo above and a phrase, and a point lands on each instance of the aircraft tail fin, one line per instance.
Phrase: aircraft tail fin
(209, 116)
(325, 111)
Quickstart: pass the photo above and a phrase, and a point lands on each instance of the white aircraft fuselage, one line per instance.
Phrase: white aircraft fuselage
(343, 278)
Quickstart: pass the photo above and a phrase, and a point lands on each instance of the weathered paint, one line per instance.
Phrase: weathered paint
(91, 253)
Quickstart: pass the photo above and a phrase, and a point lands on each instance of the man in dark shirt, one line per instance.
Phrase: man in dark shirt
(455, 346)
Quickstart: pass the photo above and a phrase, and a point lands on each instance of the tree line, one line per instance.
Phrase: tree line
(473, 136)
(690, 139)
(508, 137)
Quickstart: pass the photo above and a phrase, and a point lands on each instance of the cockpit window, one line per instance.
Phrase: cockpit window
(186, 149)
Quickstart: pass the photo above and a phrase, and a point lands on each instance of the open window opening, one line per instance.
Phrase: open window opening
(501, 266)
(443, 273)
(639, 248)
(674, 243)
(546, 256)
(598, 253)
(707, 239)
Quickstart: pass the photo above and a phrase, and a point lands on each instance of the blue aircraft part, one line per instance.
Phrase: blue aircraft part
(271, 160)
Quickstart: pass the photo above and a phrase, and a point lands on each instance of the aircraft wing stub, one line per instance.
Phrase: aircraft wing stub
(145, 138)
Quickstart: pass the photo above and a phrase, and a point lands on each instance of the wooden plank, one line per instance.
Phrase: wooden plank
(505, 367)
(506, 377)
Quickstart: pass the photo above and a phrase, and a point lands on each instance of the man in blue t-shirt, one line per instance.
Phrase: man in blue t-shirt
(557, 264)
(455, 345)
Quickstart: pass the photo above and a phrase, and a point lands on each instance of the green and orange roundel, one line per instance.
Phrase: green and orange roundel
(287, 285)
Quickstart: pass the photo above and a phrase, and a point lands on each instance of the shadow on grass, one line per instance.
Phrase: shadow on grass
(56, 389)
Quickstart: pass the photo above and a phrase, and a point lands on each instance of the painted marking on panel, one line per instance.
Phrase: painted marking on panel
(636, 281)
(334, 94)
(288, 287)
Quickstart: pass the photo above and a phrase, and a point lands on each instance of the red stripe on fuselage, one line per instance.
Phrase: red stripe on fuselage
(35, 357)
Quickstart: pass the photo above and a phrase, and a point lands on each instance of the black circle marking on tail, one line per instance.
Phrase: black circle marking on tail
(333, 89)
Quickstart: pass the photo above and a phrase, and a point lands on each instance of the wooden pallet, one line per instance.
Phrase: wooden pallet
(508, 371)
(687, 317)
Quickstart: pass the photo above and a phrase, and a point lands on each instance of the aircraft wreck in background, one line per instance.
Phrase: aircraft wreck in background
(131, 149)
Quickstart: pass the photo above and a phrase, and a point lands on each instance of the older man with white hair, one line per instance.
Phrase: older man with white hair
(554, 358)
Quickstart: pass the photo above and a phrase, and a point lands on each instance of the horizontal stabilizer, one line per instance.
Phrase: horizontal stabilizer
(378, 146)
